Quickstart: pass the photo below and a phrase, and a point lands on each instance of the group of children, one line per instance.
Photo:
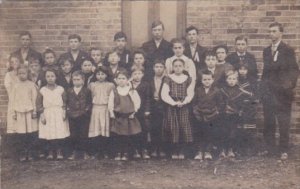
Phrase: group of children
(86, 105)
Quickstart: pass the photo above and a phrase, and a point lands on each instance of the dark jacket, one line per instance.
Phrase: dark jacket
(31, 53)
(164, 50)
(76, 63)
(125, 59)
(199, 63)
(207, 107)
(78, 105)
(156, 105)
(249, 59)
(144, 93)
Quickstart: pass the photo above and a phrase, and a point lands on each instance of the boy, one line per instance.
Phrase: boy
(96, 55)
(189, 66)
(217, 71)
(120, 40)
(66, 76)
(75, 53)
(221, 53)
(79, 103)
(206, 108)
(87, 69)
(234, 104)
(35, 74)
(157, 108)
(142, 87)
(241, 54)
(113, 64)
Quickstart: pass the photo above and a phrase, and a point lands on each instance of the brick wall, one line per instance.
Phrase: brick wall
(50, 23)
(220, 21)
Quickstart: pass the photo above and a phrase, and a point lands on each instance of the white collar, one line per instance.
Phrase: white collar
(178, 78)
(212, 69)
(123, 90)
(276, 44)
(241, 54)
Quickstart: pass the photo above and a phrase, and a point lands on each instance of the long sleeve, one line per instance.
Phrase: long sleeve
(136, 99)
(111, 104)
(190, 93)
(165, 95)
(168, 65)
(39, 103)
(147, 98)
(89, 100)
(34, 95)
(64, 98)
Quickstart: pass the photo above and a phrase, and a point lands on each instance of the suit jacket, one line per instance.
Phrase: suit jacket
(144, 93)
(76, 63)
(126, 59)
(164, 50)
(199, 63)
(31, 53)
(219, 76)
(249, 58)
(281, 69)
(156, 105)
(78, 104)
(206, 106)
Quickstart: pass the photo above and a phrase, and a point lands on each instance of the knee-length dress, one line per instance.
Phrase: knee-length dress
(123, 105)
(10, 80)
(176, 122)
(56, 127)
(99, 124)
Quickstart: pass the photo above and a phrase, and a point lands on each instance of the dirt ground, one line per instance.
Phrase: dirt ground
(253, 172)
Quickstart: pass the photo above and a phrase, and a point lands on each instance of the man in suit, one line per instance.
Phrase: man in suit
(157, 47)
(25, 52)
(75, 53)
(192, 48)
(242, 56)
(279, 78)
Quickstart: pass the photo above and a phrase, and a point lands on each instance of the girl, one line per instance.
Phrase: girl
(177, 92)
(53, 125)
(99, 124)
(142, 87)
(50, 63)
(139, 61)
(23, 96)
(123, 103)
(87, 68)
(10, 80)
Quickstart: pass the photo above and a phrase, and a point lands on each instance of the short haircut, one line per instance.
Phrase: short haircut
(24, 67)
(277, 24)
(112, 52)
(221, 47)
(159, 61)
(157, 23)
(74, 36)
(78, 73)
(210, 53)
(34, 59)
(177, 40)
(206, 72)
(65, 59)
(88, 59)
(231, 72)
(190, 28)
(23, 33)
(95, 49)
(243, 64)
(178, 59)
(139, 51)
(53, 71)
(241, 37)
(123, 72)
(48, 51)
(120, 35)
(137, 68)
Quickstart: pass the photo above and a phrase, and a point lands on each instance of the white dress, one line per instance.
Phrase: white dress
(56, 127)
(10, 80)
(99, 124)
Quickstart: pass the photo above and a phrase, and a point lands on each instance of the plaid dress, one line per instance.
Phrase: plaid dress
(176, 122)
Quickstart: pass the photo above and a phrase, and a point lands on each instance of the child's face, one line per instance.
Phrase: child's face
(49, 58)
(15, 63)
(66, 67)
(178, 67)
(121, 43)
(137, 75)
(100, 76)
(23, 74)
(35, 67)
(77, 81)
(241, 46)
(87, 66)
(157, 32)
(178, 49)
(96, 56)
(243, 71)
(25, 41)
(74, 44)
(139, 59)
(113, 58)
(159, 69)
(221, 54)
(50, 78)
(232, 80)
(192, 37)
(207, 80)
(211, 61)
(122, 80)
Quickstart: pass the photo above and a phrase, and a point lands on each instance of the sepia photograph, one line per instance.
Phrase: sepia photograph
(149, 94)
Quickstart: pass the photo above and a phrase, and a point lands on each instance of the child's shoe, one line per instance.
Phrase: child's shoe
(231, 154)
(118, 157)
(136, 155)
(50, 156)
(181, 156)
(175, 156)
(86, 156)
(154, 154)
(207, 156)
(124, 157)
(22, 158)
(145, 154)
(71, 157)
(222, 154)
(199, 156)
(284, 156)
(59, 155)
(162, 154)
